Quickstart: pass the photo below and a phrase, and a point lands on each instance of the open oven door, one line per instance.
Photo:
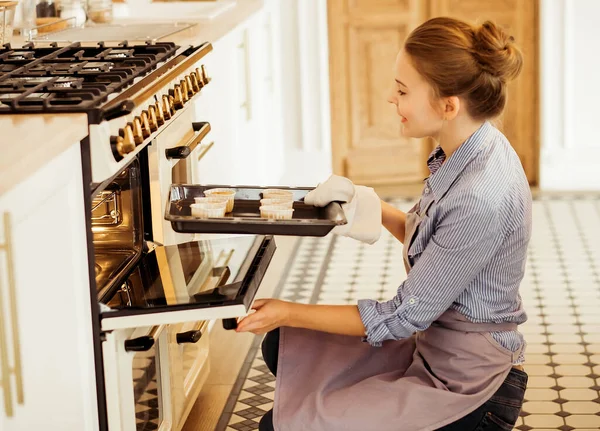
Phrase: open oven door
(194, 281)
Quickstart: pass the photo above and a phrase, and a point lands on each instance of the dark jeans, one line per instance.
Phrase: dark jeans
(499, 413)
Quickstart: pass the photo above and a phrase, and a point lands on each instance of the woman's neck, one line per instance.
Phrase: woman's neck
(454, 133)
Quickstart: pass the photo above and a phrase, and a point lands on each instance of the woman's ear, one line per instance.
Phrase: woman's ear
(451, 107)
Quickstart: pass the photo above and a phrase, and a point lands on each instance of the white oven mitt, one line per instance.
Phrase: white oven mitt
(362, 207)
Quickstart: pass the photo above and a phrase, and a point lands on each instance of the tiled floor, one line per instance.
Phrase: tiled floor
(561, 292)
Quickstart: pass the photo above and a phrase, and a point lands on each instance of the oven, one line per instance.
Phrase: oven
(161, 277)
(158, 302)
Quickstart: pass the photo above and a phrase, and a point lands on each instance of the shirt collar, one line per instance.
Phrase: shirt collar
(441, 180)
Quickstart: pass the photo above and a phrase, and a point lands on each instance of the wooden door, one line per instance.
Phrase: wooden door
(520, 121)
(364, 38)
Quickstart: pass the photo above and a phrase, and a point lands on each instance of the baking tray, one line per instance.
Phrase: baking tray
(307, 220)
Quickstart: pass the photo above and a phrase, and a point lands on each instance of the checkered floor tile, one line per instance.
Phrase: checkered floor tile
(147, 411)
(561, 292)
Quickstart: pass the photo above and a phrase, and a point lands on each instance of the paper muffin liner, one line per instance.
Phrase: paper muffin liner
(276, 212)
(287, 203)
(277, 194)
(222, 192)
(209, 210)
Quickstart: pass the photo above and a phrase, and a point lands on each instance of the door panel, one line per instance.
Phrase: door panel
(206, 280)
(520, 19)
(365, 37)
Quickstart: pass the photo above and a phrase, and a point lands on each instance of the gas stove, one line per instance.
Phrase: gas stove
(131, 93)
(73, 78)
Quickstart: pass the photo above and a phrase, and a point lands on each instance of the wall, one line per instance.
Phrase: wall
(569, 95)
(302, 60)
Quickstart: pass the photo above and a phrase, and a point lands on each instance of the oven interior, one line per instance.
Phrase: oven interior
(117, 229)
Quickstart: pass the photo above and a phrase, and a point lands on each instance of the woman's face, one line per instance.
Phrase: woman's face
(413, 96)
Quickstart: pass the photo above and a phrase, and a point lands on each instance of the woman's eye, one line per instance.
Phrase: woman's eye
(401, 93)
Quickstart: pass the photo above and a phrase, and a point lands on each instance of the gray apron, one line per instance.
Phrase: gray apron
(328, 382)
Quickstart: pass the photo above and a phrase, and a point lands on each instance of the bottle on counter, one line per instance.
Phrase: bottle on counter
(45, 9)
(7, 16)
(73, 9)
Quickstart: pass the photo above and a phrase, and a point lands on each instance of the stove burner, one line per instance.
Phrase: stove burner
(20, 55)
(72, 78)
(119, 53)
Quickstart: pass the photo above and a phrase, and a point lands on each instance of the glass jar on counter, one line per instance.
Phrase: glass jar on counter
(100, 11)
(7, 17)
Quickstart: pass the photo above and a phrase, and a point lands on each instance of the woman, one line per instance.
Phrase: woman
(445, 352)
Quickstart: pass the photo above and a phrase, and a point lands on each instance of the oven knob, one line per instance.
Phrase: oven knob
(158, 110)
(144, 118)
(166, 107)
(121, 146)
(185, 96)
(205, 78)
(177, 97)
(138, 135)
(152, 120)
(190, 85)
(194, 82)
(198, 74)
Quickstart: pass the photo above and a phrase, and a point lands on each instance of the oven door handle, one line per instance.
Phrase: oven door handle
(143, 343)
(201, 129)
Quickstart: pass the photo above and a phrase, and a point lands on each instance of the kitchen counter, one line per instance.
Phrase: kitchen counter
(211, 31)
(204, 30)
(27, 142)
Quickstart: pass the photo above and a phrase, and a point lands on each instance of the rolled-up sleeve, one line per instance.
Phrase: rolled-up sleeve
(465, 239)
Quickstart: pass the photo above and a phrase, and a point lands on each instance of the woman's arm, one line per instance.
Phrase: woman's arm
(393, 220)
(274, 313)
(335, 319)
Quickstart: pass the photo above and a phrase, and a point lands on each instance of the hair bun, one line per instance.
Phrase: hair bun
(496, 53)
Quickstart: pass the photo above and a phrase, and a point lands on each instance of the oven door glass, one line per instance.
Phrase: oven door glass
(199, 280)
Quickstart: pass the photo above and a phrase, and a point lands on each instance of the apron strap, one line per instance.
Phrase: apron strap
(477, 327)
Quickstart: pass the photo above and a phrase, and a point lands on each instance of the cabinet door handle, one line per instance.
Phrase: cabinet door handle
(12, 303)
(247, 105)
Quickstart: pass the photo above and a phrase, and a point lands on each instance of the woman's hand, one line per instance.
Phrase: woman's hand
(270, 314)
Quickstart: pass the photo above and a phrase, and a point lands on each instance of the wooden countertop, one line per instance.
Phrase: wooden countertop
(27, 142)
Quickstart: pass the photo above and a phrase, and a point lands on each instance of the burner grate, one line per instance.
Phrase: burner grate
(72, 78)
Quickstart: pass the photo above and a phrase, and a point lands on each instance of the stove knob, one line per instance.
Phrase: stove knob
(152, 120)
(144, 119)
(138, 135)
(185, 96)
(205, 78)
(166, 107)
(121, 146)
(198, 74)
(190, 85)
(177, 97)
(194, 82)
(160, 119)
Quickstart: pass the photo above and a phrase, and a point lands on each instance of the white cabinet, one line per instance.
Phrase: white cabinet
(47, 367)
(240, 105)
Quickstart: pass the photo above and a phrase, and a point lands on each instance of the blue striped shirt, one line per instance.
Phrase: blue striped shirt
(470, 249)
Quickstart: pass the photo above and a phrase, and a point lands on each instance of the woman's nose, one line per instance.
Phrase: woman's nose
(392, 97)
